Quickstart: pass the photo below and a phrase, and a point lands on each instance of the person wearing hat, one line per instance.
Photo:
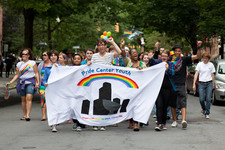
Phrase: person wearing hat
(180, 64)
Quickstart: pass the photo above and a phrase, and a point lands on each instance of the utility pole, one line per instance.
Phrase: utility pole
(221, 52)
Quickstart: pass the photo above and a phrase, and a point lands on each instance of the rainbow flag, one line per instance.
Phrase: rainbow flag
(126, 33)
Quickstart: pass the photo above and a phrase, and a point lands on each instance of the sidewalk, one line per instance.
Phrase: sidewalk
(14, 97)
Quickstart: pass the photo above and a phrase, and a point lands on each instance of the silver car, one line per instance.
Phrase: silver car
(219, 84)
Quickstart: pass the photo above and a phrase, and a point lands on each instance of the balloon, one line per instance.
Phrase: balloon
(105, 38)
(109, 33)
(104, 33)
(102, 36)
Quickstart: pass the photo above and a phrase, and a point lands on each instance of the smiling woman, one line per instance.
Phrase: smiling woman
(28, 75)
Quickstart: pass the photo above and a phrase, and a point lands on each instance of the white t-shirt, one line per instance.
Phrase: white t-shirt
(26, 69)
(106, 59)
(205, 71)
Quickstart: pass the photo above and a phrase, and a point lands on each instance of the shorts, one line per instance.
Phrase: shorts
(181, 96)
(29, 89)
(172, 99)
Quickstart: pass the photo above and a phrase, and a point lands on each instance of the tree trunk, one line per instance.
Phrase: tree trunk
(194, 44)
(28, 31)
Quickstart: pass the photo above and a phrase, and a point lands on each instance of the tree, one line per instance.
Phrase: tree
(29, 8)
(78, 21)
(177, 18)
(13, 30)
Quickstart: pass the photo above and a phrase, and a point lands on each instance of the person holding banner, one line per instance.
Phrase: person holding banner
(77, 126)
(102, 57)
(167, 93)
(41, 69)
(28, 79)
(88, 55)
(133, 62)
(62, 59)
(54, 56)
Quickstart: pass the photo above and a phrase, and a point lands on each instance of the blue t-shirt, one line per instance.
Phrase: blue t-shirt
(84, 62)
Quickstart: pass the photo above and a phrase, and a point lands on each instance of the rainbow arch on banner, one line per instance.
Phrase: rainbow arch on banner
(125, 80)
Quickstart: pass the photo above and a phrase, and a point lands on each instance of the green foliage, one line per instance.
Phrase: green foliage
(166, 21)
(19, 5)
(13, 31)
(212, 17)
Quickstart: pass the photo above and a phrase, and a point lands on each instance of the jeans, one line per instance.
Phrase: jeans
(168, 111)
(154, 109)
(29, 89)
(205, 93)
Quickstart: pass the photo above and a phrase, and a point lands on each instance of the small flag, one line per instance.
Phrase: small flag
(7, 94)
(126, 33)
(171, 53)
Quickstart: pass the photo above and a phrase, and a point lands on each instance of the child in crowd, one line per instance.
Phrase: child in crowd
(77, 126)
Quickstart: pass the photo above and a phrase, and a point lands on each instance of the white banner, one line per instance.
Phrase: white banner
(100, 95)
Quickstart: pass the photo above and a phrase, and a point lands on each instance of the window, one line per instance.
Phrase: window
(221, 69)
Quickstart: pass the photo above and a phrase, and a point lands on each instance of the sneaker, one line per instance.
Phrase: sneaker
(207, 116)
(95, 128)
(74, 127)
(159, 127)
(79, 129)
(54, 128)
(184, 124)
(164, 127)
(102, 129)
(203, 113)
(154, 116)
(174, 124)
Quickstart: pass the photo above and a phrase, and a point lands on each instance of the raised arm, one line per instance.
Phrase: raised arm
(198, 55)
(116, 47)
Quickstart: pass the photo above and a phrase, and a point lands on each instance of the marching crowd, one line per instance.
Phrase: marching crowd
(32, 78)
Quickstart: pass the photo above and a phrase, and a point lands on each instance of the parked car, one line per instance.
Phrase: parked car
(219, 83)
(190, 78)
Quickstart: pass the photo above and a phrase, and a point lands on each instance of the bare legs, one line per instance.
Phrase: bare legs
(26, 102)
(43, 110)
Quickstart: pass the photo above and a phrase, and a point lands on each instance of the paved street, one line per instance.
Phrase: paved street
(200, 133)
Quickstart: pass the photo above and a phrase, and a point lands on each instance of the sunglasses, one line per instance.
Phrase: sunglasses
(44, 55)
(25, 54)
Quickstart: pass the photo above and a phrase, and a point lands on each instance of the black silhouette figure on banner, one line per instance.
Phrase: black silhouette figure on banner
(104, 105)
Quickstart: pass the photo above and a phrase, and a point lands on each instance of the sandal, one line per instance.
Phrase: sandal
(27, 119)
(115, 125)
(23, 118)
(43, 119)
(136, 129)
